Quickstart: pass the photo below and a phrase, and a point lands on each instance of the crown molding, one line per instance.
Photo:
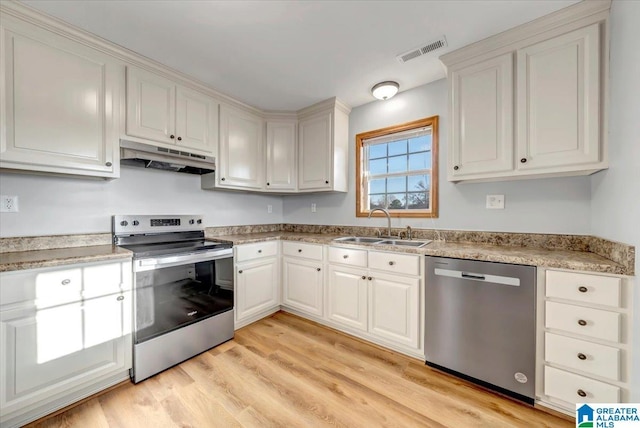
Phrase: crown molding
(587, 12)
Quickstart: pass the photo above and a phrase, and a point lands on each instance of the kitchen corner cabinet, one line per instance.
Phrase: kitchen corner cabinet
(281, 151)
(160, 110)
(61, 103)
(240, 161)
(65, 333)
(535, 110)
(323, 148)
(257, 281)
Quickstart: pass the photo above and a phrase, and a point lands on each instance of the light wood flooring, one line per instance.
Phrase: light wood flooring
(284, 371)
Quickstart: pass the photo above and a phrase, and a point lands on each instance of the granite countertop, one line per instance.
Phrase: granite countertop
(562, 259)
(532, 256)
(20, 260)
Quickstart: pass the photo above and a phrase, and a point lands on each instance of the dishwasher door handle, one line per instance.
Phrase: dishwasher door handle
(471, 276)
(492, 279)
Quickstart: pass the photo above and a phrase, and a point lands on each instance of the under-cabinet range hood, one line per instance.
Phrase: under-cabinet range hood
(148, 156)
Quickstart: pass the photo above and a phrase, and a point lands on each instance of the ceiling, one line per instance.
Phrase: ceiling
(286, 55)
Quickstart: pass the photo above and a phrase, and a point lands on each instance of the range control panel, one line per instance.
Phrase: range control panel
(137, 224)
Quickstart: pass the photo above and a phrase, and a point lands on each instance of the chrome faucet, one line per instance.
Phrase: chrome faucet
(388, 218)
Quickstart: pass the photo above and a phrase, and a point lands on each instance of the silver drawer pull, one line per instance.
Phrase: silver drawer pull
(581, 356)
(66, 282)
(582, 289)
(392, 263)
(120, 298)
(346, 256)
(581, 393)
(582, 322)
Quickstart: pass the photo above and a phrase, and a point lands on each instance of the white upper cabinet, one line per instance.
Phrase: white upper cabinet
(323, 147)
(281, 156)
(241, 154)
(482, 132)
(160, 110)
(559, 101)
(528, 102)
(60, 103)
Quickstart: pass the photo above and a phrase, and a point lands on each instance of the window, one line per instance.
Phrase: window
(397, 169)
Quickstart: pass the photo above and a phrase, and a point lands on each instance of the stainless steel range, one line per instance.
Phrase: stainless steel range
(183, 289)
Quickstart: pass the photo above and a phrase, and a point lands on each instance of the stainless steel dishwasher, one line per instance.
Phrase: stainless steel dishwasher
(480, 323)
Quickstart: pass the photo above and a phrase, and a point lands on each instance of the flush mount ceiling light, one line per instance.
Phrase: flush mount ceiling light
(385, 90)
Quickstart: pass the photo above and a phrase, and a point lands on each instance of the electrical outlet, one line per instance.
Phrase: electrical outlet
(495, 202)
(313, 208)
(269, 209)
(8, 204)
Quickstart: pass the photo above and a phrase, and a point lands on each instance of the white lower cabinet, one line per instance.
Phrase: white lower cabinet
(257, 288)
(347, 297)
(394, 308)
(257, 281)
(54, 352)
(584, 333)
(302, 285)
(377, 293)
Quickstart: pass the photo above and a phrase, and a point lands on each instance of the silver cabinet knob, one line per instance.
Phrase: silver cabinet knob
(259, 251)
(318, 269)
(392, 263)
(582, 289)
(239, 271)
(108, 164)
(66, 282)
(369, 278)
(299, 250)
(120, 298)
(364, 277)
(346, 256)
(581, 356)
(581, 393)
(582, 322)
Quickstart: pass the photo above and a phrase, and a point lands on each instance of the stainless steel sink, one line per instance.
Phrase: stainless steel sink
(358, 239)
(381, 241)
(399, 242)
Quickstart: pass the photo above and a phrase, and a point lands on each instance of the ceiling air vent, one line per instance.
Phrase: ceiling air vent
(422, 50)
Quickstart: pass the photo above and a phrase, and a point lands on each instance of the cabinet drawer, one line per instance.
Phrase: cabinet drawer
(57, 286)
(585, 356)
(603, 290)
(348, 256)
(568, 387)
(256, 251)
(405, 264)
(597, 323)
(300, 249)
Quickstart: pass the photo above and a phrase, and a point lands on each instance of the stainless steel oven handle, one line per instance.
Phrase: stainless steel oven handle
(187, 258)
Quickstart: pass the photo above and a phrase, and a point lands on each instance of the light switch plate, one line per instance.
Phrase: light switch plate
(495, 202)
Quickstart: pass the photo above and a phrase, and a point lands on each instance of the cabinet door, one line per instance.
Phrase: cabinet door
(61, 104)
(347, 297)
(281, 156)
(315, 157)
(482, 118)
(151, 106)
(394, 308)
(196, 121)
(241, 150)
(559, 101)
(256, 288)
(302, 285)
(48, 353)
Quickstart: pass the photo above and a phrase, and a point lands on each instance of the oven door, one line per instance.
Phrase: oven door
(174, 291)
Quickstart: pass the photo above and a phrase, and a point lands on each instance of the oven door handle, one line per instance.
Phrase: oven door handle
(154, 263)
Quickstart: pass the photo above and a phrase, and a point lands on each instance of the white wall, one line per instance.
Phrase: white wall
(615, 203)
(551, 205)
(58, 205)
